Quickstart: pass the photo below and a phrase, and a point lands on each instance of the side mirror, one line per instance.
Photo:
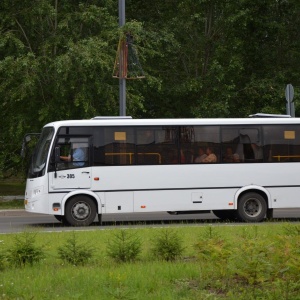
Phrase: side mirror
(57, 154)
(26, 139)
(23, 150)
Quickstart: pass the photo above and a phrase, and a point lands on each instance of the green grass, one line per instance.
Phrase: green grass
(13, 204)
(219, 262)
(8, 188)
(12, 188)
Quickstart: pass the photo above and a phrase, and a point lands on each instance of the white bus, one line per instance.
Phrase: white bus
(244, 170)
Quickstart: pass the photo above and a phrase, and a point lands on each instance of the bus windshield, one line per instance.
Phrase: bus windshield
(38, 161)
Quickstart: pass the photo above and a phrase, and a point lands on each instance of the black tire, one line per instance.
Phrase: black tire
(225, 214)
(252, 207)
(80, 211)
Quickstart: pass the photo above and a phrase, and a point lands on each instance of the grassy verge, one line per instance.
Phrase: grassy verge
(12, 204)
(8, 188)
(219, 262)
(11, 188)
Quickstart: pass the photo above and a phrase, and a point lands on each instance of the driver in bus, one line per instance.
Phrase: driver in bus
(78, 156)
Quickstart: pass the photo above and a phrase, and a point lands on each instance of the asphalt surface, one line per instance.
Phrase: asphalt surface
(12, 212)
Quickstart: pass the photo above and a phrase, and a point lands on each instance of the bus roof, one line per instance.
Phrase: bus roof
(173, 122)
(261, 115)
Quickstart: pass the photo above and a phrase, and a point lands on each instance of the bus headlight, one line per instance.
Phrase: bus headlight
(37, 191)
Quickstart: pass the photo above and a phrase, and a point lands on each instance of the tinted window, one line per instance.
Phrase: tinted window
(205, 144)
(74, 152)
(282, 143)
(241, 144)
(151, 145)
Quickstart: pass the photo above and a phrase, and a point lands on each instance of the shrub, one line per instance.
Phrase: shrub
(124, 246)
(2, 261)
(211, 248)
(167, 245)
(254, 266)
(74, 253)
(3, 258)
(24, 251)
(291, 230)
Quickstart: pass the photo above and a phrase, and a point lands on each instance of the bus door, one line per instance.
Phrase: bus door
(71, 164)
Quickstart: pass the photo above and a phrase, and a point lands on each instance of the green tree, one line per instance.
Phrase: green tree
(203, 58)
(221, 58)
(55, 63)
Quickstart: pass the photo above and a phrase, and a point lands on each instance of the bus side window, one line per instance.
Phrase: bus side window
(147, 147)
(74, 152)
(187, 156)
(248, 151)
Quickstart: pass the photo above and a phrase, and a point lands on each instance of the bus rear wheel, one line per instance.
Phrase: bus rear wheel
(80, 211)
(252, 207)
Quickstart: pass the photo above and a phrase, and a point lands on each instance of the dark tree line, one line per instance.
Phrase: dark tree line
(203, 58)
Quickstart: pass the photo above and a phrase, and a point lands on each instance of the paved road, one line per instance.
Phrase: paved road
(19, 220)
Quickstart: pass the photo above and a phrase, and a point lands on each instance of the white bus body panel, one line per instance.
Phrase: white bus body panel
(70, 179)
(183, 187)
(37, 196)
(119, 202)
(171, 188)
(193, 187)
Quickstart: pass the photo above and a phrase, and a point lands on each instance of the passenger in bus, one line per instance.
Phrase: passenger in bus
(78, 156)
(228, 157)
(201, 155)
(211, 157)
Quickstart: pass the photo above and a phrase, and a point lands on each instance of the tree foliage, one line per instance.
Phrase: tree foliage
(203, 58)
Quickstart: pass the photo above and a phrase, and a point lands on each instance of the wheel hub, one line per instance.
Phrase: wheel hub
(81, 211)
(252, 207)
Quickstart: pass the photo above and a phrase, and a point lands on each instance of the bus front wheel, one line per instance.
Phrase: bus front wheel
(252, 207)
(80, 211)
